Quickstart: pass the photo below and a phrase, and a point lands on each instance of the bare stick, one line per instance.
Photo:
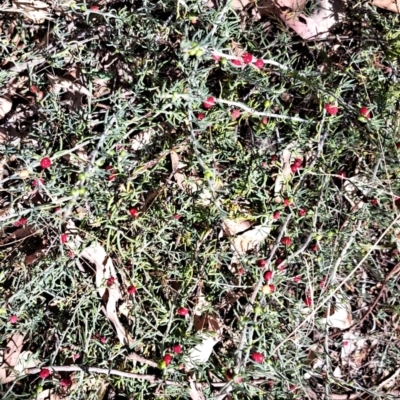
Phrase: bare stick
(74, 368)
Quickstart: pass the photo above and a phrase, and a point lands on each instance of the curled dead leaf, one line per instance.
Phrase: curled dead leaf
(391, 5)
(5, 105)
(107, 286)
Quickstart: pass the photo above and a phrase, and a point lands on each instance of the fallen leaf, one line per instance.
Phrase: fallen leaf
(341, 318)
(141, 140)
(109, 292)
(232, 227)
(391, 5)
(13, 362)
(194, 392)
(249, 240)
(63, 84)
(5, 105)
(35, 10)
(326, 14)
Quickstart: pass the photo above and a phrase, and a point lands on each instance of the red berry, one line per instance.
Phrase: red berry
(64, 238)
(177, 216)
(167, 359)
(247, 58)
(209, 102)
(302, 212)
(235, 114)
(374, 202)
(286, 241)
(271, 288)
(45, 162)
(314, 248)
(200, 116)
(65, 382)
(237, 63)
(278, 262)
(365, 112)
(345, 343)
(182, 311)
(297, 278)
(276, 215)
(259, 63)
(298, 162)
(13, 319)
(287, 203)
(33, 89)
(257, 357)
(131, 289)
(134, 212)
(261, 263)
(308, 301)
(267, 275)
(177, 348)
(94, 8)
(44, 373)
(264, 121)
(76, 356)
(103, 339)
(294, 168)
(110, 281)
(20, 222)
(215, 57)
(331, 109)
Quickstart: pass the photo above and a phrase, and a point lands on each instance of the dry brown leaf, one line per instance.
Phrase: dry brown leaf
(110, 293)
(5, 105)
(391, 5)
(141, 140)
(13, 362)
(239, 4)
(232, 227)
(63, 84)
(342, 317)
(194, 392)
(327, 13)
(35, 10)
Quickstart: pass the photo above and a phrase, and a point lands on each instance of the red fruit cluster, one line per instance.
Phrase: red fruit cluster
(45, 162)
(308, 301)
(365, 112)
(235, 114)
(167, 359)
(177, 348)
(331, 109)
(110, 281)
(297, 164)
(268, 275)
(22, 221)
(302, 212)
(182, 311)
(257, 357)
(131, 289)
(134, 212)
(44, 373)
(209, 102)
(261, 263)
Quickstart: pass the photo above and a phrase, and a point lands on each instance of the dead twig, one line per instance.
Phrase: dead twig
(129, 375)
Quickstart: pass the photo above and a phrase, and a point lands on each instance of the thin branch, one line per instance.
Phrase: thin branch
(259, 113)
(74, 368)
